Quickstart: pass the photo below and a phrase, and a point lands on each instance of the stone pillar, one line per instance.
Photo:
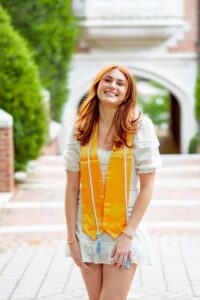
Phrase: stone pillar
(6, 152)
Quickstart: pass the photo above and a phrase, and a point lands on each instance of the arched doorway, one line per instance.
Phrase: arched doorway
(170, 137)
(163, 108)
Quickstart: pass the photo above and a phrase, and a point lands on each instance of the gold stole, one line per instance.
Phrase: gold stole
(110, 203)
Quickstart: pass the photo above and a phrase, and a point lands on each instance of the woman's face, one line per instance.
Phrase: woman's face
(112, 88)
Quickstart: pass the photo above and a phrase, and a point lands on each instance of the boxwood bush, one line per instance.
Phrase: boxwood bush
(51, 30)
(194, 144)
(197, 98)
(20, 94)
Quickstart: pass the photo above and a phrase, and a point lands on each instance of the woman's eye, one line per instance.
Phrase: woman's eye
(107, 80)
(121, 84)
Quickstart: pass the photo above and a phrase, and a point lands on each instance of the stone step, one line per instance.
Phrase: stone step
(167, 160)
(58, 168)
(160, 184)
(60, 204)
(47, 231)
(55, 215)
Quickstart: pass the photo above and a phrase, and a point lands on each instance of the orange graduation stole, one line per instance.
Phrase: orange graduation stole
(105, 210)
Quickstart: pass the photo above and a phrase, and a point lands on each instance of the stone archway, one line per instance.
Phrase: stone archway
(171, 83)
(178, 97)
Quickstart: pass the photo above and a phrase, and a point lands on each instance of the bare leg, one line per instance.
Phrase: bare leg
(93, 280)
(116, 282)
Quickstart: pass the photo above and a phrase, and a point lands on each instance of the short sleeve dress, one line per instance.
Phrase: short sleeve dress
(146, 158)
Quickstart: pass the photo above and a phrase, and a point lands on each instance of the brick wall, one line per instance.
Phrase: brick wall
(189, 44)
(6, 153)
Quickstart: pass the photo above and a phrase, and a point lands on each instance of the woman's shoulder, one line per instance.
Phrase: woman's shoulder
(71, 135)
(146, 131)
(146, 123)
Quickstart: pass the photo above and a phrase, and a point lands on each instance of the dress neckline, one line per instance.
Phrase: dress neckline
(101, 149)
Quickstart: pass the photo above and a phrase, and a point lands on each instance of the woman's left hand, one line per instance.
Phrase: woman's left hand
(121, 251)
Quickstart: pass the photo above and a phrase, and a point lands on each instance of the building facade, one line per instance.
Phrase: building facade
(156, 39)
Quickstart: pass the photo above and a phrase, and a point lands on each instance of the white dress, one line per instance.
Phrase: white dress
(146, 158)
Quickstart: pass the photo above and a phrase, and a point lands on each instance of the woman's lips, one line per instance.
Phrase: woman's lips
(109, 93)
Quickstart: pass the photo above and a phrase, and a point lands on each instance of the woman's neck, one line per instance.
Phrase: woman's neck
(106, 116)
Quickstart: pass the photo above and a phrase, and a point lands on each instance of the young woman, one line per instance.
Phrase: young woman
(110, 158)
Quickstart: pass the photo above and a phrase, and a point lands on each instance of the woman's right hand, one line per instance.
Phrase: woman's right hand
(76, 255)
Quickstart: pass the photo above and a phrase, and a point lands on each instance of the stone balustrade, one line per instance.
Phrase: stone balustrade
(129, 9)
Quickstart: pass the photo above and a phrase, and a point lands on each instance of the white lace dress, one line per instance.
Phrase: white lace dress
(146, 158)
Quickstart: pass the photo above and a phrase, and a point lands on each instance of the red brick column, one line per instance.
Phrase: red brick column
(191, 14)
(6, 152)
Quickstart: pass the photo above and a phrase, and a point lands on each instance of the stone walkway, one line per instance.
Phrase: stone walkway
(32, 237)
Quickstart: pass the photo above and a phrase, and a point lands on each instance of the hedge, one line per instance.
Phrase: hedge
(195, 140)
(51, 30)
(20, 94)
(197, 97)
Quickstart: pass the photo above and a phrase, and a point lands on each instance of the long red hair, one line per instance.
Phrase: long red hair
(124, 120)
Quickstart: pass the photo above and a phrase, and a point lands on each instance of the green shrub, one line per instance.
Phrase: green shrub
(156, 106)
(194, 143)
(20, 94)
(197, 98)
(51, 30)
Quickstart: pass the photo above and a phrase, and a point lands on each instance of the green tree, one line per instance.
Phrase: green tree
(156, 106)
(20, 94)
(51, 30)
(195, 141)
(197, 99)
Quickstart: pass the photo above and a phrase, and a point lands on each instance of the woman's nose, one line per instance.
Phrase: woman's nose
(112, 84)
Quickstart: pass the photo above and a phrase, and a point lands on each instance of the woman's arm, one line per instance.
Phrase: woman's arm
(142, 201)
(71, 202)
(122, 249)
(71, 207)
